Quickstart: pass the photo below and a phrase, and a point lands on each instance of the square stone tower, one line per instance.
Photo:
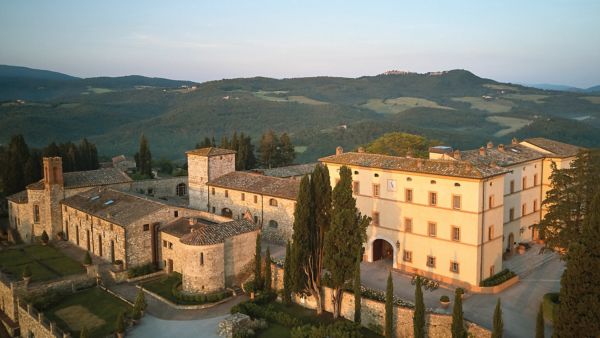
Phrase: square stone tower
(54, 192)
(205, 165)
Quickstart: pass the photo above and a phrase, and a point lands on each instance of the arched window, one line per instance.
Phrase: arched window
(273, 224)
(181, 189)
(227, 212)
(273, 202)
(202, 258)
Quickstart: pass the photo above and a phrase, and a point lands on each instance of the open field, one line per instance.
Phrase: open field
(500, 87)
(400, 104)
(526, 97)
(511, 124)
(279, 96)
(92, 308)
(45, 263)
(492, 106)
(592, 99)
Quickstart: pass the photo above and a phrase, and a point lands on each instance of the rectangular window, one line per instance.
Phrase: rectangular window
(455, 233)
(146, 227)
(456, 201)
(524, 183)
(202, 258)
(170, 246)
(243, 197)
(431, 261)
(375, 190)
(454, 267)
(490, 232)
(432, 229)
(164, 244)
(407, 257)
(36, 213)
(535, 179)
(255, 199)
(523, 210)
(492, 270)
(176, 213)
(356, 187)
(491, 202)
(433, 198)
(535, 205)
(511, 214)
(375, 218)
(408, 195)
(212, 191)
(408, 224)
(512, 186)
(226, 193)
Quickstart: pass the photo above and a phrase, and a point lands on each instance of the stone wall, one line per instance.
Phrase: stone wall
(373, 313)
(239, 257)
(160, 187)
(34, 324)
(203, 274)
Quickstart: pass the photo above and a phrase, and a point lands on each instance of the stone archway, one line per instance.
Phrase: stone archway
(382, 250)
(226, 212)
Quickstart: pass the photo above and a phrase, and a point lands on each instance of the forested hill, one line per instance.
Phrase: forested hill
(456, 107)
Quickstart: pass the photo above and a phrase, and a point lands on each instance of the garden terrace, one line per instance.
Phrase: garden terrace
(44, 262)
(169, 287)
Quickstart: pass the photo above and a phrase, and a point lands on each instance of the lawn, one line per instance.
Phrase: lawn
(164, 287)
(45, 263)
(92, 308)
(281, 96)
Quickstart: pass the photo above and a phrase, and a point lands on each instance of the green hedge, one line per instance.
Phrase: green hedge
(339, 329)
(199, 298)
(141, 270)
(266, 312)
(498, 278)
(550, 306)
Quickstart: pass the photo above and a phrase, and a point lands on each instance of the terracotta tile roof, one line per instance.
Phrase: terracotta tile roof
(124, 209)
(89, 178)
(213, 233)
(20, 197)
(259, 184)
(418, 165)
(503, 156)
(289, 171)
(181, 226)
(211, 151)
(557, 148)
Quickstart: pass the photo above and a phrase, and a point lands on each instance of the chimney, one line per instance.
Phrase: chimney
(457, 154)
(339, 150)
(515, 141)
(490, 145)
(482, 151)
(361, 149)
(501, 147)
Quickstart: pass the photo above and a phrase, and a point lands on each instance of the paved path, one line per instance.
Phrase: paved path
(154, 327)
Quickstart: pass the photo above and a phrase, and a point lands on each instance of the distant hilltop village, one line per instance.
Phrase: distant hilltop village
(451, 217)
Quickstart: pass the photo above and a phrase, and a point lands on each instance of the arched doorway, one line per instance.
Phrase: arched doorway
(382, 249)
(510, 245)
(226, 212)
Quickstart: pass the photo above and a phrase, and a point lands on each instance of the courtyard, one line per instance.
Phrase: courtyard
(44, 261)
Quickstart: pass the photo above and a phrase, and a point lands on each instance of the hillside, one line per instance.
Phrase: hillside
(455, 107)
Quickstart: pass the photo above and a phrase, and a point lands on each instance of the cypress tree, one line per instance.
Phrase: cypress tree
(539, 322)
(143, 158)
(268, 276)
(84, 333)
(419, 314)
(458, 325)
(287, 293)
(17, 154)
(498, 329)
(268, 149)
(579, 310)
(257, 264)
(357, 292)
(139, 305)
(344, 238)
(389, 307)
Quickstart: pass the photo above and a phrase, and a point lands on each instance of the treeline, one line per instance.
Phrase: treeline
(273, 150)
(22, 165)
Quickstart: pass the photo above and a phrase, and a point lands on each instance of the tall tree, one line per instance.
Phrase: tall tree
(17, 155)
(268, 149)
(572, 190)
(357, 290)
(206, 143)
(458, 325)
(419, 314)
(498, 325)
(344, 239)
(539, 322)
(143, 158)
(287, 288)
(225, 144)
(401, 144)
(257, 264)
(579, 310)
(33, 167)
(286, 151)
(268, 276)
(306, 272)
(389, 307)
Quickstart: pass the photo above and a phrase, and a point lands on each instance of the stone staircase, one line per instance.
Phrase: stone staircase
(524, 264)
(237, 290)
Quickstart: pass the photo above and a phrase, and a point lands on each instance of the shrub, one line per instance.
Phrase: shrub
(460, 291)
(140, 305)
(87, 259)
(250, 286)
(141, 270)
(45, 237)
(551, 302)
(120, 325)
(338, 329)
(444, 299)
(498, 278)
(26, 271)
(266, 312)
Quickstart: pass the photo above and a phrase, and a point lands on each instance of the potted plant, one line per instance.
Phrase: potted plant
(45, 238)
(118, 265)
(461, 291)
(87, 259)
(521, 249)
(120, 329)
(444, 301)
(26, 274)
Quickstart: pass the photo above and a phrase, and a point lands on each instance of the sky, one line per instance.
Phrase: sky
(525, 41)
